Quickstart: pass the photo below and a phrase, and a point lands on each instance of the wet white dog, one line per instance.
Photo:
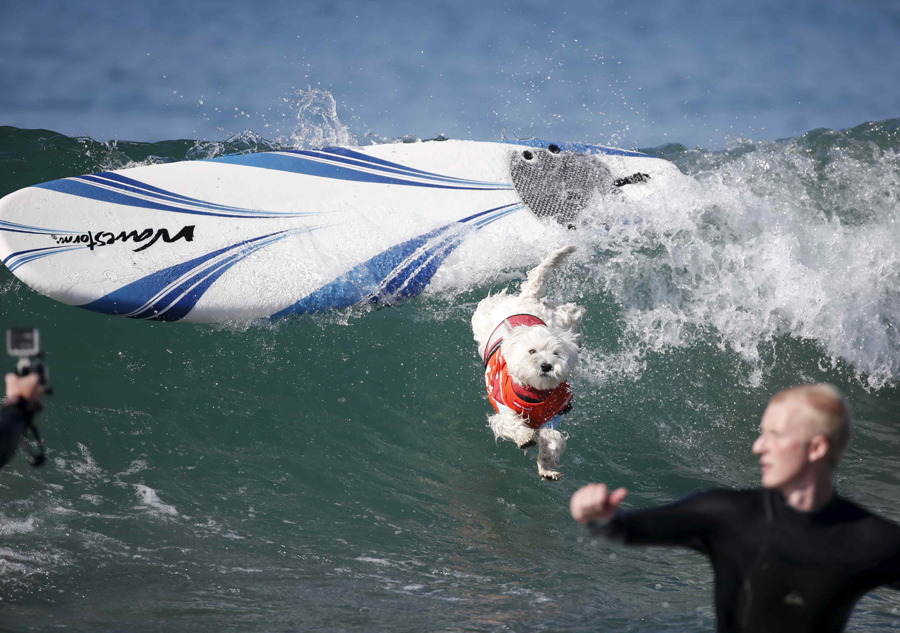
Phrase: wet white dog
(529, 346)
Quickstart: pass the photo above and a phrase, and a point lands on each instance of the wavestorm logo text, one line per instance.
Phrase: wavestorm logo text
(107, 238)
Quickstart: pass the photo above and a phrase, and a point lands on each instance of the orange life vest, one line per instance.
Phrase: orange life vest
(538, 406)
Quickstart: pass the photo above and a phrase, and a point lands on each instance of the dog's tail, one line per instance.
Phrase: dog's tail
(538, 276)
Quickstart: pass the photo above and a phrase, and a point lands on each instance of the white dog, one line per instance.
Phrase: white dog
(529, 346)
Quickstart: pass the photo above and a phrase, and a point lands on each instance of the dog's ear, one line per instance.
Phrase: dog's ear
(507, 327)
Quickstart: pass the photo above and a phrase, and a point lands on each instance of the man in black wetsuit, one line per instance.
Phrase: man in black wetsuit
(24, 399)
(791, 556)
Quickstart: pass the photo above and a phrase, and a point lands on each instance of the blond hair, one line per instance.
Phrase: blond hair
(826, 412)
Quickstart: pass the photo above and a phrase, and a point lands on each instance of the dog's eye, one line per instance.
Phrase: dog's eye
(532, 351)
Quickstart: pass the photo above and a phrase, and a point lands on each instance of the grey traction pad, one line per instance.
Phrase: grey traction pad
(558, 185)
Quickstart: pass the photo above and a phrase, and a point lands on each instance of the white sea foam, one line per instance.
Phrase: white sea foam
(82, 468)
(10, 526)
(318, 124)
(375, 561)
(150, 499)
(747, 250)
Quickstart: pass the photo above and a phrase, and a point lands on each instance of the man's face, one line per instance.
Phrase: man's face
(783, 444)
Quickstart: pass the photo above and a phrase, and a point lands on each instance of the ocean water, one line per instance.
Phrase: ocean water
(335, 473)
(599, 71)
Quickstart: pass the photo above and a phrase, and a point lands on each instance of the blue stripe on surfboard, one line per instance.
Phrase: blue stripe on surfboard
(140, 191)
(136, 187)
(135, 295)
(581, 148)
(398, 170)
(498, 216)
(482, 213)
(21, 261)
(283, 161)
(349, 153)
(412, 280)
(424, 268)
(358, 159)
(389, 274)
(361, 283)
(25, 228)
(83, 187)
(178, 302)
(26, 232)
(161, 309)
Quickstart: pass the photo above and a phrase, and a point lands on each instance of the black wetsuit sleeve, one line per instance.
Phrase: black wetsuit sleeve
(894, 573)
(690, 522)
(13, 420)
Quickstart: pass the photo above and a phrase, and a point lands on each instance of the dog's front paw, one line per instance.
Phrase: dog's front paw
(525, 437)
(549, 475)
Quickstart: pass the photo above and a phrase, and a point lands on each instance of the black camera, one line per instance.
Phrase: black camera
(25, 344)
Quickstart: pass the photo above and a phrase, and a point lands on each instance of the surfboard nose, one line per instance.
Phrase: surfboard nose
(25, 237)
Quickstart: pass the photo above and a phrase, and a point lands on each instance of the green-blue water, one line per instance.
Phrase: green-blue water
(335, 472)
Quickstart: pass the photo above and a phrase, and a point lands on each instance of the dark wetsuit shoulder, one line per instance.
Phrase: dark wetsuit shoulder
(859, 536)
(776, 569)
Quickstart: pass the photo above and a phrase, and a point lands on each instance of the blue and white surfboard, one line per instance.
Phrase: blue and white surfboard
(289, 232)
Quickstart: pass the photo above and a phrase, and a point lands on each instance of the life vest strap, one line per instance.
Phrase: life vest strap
(530, 394)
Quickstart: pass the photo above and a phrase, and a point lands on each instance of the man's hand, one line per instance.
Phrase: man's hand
(594, 502)
(24, 387)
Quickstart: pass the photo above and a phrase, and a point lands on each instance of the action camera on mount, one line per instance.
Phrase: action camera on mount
(25, 344)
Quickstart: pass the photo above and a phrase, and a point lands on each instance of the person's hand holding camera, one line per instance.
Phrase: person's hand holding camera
(25, 392)
(24, 400)
(28, 388)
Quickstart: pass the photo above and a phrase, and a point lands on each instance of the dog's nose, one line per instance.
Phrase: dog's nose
(545, 367)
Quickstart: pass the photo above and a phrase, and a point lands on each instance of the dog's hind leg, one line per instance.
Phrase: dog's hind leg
(551, 444)
(533, 287)
(511, 427)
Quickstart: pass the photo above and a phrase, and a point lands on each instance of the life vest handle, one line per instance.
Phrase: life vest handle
(516, 320)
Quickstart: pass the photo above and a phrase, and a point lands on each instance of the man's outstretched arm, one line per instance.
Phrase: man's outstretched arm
(684, 523)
